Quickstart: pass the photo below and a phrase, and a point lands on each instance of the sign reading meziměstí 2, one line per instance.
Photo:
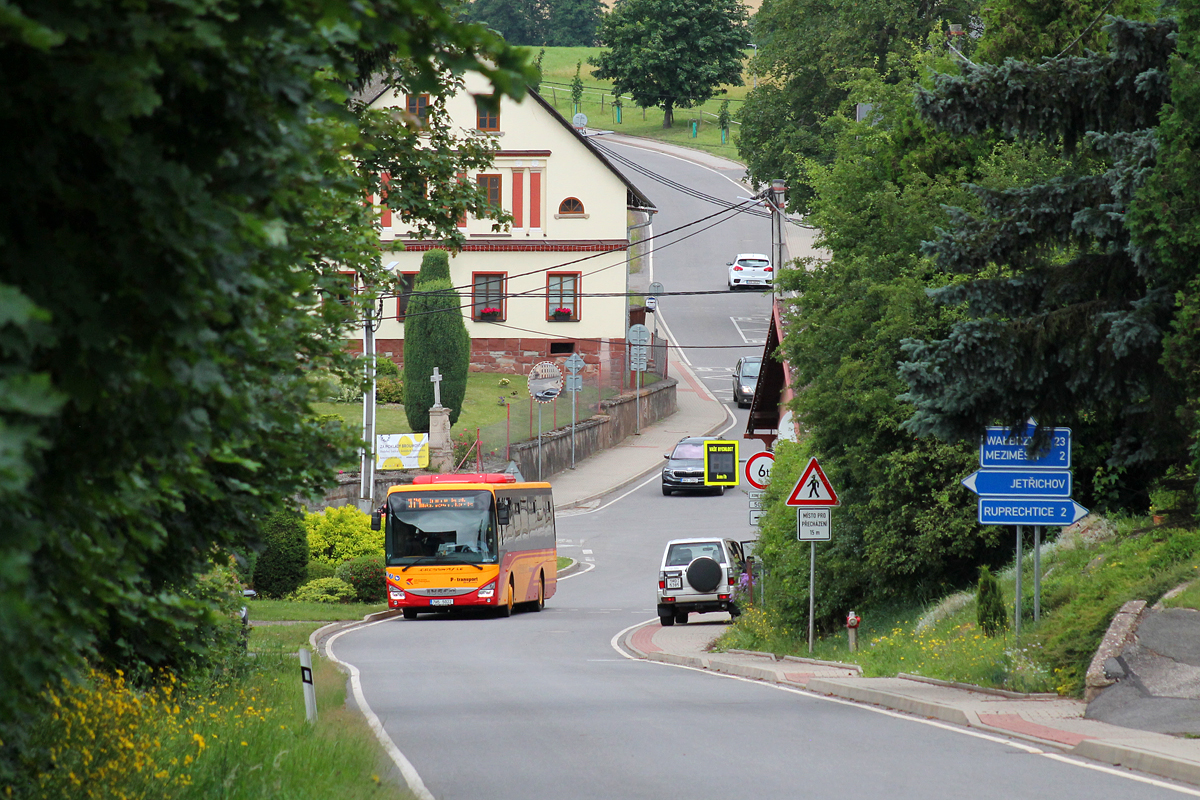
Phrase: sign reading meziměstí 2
(998, 449)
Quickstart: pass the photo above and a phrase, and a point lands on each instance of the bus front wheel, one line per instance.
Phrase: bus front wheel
(410, 613)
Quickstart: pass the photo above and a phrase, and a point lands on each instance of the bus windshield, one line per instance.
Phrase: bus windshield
(432, 527)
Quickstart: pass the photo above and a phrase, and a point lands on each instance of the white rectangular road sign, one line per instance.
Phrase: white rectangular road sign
(755, 502)
(755, 495)
(755, 516)
(812, 524)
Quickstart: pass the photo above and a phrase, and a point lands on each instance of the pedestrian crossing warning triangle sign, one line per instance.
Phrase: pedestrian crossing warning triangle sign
(813, 488)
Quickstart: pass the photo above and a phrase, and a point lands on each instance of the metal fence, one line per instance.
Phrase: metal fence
(525, 419)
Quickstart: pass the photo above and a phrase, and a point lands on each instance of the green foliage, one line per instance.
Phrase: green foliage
(1030, 30)
(531, 23)
(672, 53)
(434, 336)
(324, 590)
(389, 390)
(195, 176)
(320, 569)
(243, 564)
(367, 576)
(283, 564)
(386, 368)
(1163, 220)
(1063, 317)
(435, 266)
(724, 118)
(990, 612)
(805, 50)
(577, 87)
(338, 534)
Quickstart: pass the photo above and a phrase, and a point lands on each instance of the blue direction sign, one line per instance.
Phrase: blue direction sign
(1027, 511)
(1032, 483)
(999, 450)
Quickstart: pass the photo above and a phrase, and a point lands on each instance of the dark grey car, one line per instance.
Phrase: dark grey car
(745, 378)
(685, 468)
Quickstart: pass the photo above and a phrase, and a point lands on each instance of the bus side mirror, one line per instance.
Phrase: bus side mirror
(375, 520)
(502, 513)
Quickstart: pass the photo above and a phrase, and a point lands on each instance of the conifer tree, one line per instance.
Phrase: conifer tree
(989, 604)
(434, 336)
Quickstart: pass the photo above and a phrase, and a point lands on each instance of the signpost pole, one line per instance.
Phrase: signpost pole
(539, 405)
(573, 396)
(812, 580)
(1017, 607)
(1037, 572)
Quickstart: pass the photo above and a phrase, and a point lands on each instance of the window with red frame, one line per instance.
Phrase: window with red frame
(562, 295)
(418, 106)
(487, 295)
(486, 119)
(490, 184)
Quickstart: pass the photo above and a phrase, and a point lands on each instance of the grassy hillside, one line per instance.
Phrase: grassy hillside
(1088, 573)
(558, 71)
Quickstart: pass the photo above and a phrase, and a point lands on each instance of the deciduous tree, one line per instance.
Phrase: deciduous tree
(672, 53)
(181, 185)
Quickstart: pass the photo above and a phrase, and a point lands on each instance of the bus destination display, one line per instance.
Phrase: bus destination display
(439, 502)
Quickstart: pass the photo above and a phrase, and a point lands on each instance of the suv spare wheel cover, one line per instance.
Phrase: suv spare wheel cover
(704, 574)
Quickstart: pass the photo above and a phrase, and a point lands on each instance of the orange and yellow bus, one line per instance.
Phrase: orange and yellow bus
(468, 541)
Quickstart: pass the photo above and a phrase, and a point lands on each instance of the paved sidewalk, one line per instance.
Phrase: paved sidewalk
(1045, 721)
(699, 414)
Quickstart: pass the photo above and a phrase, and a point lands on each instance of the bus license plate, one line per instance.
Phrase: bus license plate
(442, 601)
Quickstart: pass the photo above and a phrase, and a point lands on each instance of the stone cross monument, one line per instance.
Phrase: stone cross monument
(441, 449)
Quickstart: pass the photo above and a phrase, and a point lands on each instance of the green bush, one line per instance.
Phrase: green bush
(368, 577)
(324, 590)
(339, 534)
(221, 591)
(386, 368)
(989, 604)
(389, 390)
(320, 569)
(283, 565)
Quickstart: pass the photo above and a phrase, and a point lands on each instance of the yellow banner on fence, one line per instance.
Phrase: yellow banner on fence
(402, 451)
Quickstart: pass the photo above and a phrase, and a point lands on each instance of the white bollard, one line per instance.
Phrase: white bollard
(306, 680)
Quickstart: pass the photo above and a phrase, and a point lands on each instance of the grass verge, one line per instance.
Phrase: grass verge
(241, 737)
(1087, 576)
(558, 70)
(265, 610)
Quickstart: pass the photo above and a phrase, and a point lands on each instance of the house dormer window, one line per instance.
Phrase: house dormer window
(486, 119)
(571, 207)
(418, 106)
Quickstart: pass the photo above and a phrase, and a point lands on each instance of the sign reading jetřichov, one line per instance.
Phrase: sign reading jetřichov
(1019, 488)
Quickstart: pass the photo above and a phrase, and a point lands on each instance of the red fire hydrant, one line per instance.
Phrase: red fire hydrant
(852, 621)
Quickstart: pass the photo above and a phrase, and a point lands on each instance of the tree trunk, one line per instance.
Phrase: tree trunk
(668, 116)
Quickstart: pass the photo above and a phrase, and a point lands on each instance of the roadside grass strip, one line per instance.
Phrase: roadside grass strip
(242, 736)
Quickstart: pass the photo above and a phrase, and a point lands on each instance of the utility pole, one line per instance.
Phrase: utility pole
(366, 491)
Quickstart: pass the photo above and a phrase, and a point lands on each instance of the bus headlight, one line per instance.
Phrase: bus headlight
(395, 594)
(488, 591)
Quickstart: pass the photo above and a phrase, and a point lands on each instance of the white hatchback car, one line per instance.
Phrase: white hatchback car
(698, 575)
(750, 269)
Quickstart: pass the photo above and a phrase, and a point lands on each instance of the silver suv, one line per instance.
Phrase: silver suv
(698, 575)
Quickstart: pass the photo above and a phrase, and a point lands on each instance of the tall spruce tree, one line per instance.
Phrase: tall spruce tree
(1163, 219)
(1064, 313)
(434, 336)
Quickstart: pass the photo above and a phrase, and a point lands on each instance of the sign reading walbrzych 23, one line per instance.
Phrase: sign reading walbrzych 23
(1000, 449)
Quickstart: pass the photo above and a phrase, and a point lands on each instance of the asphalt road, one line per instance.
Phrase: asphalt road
(545, 705)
